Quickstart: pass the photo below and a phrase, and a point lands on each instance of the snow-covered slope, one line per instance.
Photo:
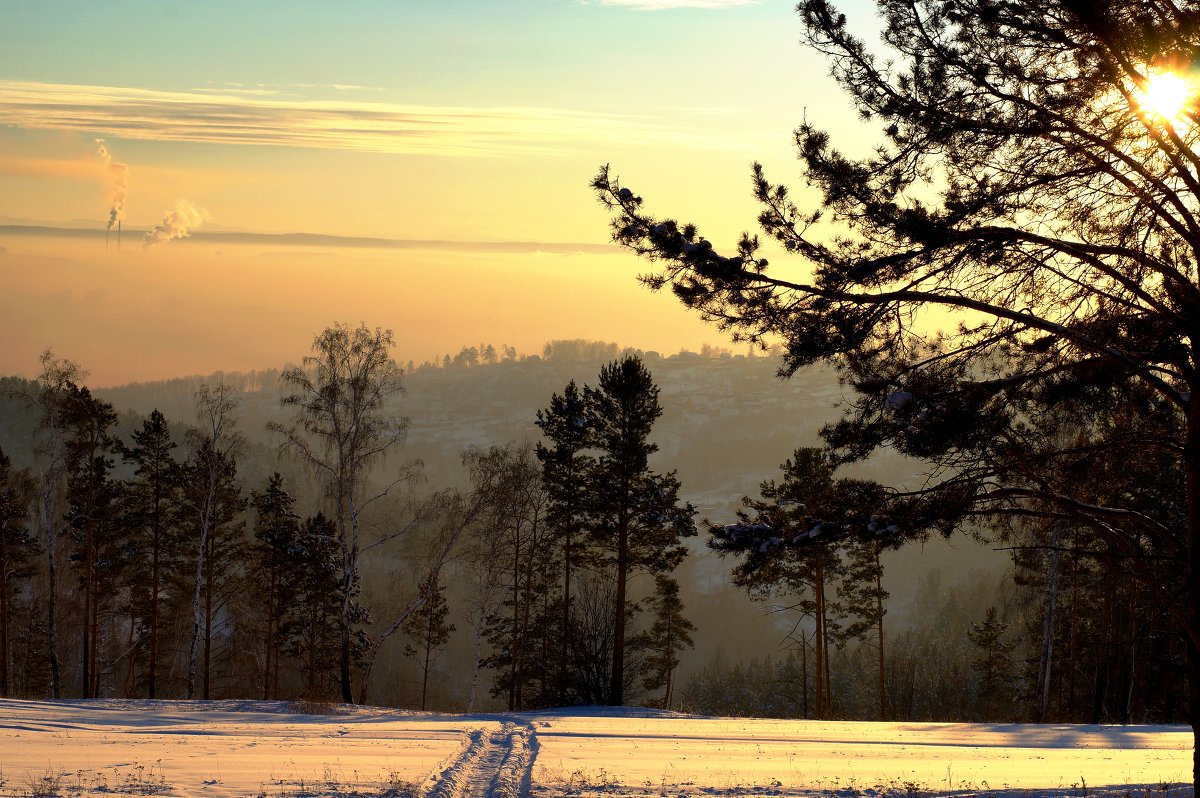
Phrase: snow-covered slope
(266, 749)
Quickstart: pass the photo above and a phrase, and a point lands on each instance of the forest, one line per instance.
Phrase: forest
(296, 535)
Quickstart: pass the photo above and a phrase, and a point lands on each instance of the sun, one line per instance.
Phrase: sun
(1167, 96)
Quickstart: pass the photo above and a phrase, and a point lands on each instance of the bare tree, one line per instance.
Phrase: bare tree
(215, 443)
(341, 429)
(55, 382)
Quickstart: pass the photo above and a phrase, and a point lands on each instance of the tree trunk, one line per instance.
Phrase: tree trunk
(616, 688)
(1192, 469)
(52, 614)
(208, 616)
(819, 645)
(515, 641)
(879, 634)
(1049, 607)
(3, 618)
(88, 608)
(155, 581)
(476, 653)
(566, 653)
(197, 609)
(425, 673)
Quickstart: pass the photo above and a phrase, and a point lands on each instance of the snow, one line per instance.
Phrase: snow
(250, 748)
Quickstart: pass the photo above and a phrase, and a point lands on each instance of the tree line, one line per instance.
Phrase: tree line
(145, 566)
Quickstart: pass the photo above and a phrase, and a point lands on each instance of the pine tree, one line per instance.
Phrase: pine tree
(312, 627)
(993, 665)
(91, 513)
(565, 471)
(428, 630)
(152, 496)
(667, 636)
(637, 517)
(772, 541)
(272, 565)
(17, 550)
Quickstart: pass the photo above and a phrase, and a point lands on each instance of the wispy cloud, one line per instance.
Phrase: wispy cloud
(663, 5)
(234, 117)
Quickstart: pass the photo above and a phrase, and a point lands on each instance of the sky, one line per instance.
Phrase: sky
(458, 121)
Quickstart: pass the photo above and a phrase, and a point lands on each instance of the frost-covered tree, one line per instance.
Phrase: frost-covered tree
(1021, 247)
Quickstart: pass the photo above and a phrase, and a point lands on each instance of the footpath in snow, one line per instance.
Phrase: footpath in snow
(222, 749)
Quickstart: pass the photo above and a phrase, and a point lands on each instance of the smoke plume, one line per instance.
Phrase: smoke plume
(178, 223)
(118, 185)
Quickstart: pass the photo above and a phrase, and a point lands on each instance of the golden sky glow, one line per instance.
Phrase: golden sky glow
(466, 122)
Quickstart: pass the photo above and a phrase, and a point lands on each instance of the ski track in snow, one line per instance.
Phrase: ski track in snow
(496, 762)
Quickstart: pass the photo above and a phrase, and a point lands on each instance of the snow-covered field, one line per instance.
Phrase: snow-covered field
(267, 750)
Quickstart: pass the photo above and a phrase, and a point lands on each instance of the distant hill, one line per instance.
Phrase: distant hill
(83, 229)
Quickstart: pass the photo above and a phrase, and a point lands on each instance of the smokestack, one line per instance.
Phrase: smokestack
(118, 234)
(118, 187)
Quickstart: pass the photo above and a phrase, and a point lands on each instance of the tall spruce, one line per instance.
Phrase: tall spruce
(662, 643)
(428, 631)
(312, 626)
(90, 451)
(565, 470)
(273, 567)
(636, 515)
(153, 497)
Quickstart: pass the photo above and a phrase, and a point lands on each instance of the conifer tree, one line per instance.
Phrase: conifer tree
(152, 511)
(312, 627)
(664, 640)
(637, 517)
(90, 451)
(771, 541)
(428, 630)
(273, 567)
(993, 666)
(17, 550)
(565, 470)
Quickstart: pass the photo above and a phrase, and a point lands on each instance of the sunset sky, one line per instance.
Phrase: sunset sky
(460, 121)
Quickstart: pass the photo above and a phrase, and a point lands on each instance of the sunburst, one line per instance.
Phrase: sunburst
(1167, 96)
